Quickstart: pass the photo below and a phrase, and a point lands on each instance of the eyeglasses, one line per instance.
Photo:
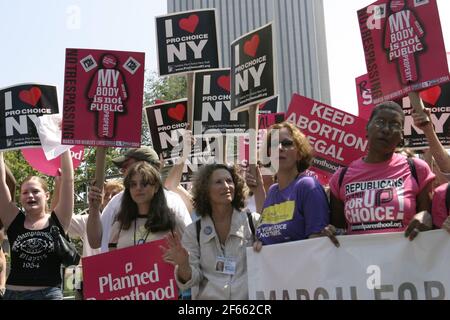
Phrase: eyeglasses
(393, 125)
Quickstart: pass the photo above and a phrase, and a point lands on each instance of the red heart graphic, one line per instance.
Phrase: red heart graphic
(31, 96)
(177, 113)
(431, 95)
(250, 47)
(224, 82)
(189, 24)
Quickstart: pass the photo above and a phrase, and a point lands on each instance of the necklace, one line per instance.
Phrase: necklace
(140, 241)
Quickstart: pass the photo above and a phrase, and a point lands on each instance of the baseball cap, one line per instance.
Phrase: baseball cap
(141, 154)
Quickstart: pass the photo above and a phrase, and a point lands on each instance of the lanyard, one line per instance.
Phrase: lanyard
(140, 241)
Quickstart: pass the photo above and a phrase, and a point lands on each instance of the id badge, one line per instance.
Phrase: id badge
(226, 265)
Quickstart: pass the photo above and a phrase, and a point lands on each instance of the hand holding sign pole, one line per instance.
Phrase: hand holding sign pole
(417, 103)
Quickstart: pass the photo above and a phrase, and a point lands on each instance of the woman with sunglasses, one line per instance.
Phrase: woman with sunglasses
(144, 215)
(296, 207)
(383, 191)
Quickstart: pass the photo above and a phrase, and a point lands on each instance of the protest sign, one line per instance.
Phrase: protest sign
(438, 100)
(252, 68)
(363, 92)
(167, 123)
(36, 158)
(338, 137)
(365, 267)
(20, 107)
(187, 41)
(103, 92)
(133, 273)
(212, 105)
(403, 47)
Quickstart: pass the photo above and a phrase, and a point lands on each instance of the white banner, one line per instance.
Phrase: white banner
(367, 267)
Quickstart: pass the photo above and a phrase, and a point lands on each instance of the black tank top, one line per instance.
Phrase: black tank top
(33, 258)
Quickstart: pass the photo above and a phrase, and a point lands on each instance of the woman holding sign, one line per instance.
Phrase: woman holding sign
(212, 254)
(296, 208)
(35, 267)
(383, 191)
(144, 215)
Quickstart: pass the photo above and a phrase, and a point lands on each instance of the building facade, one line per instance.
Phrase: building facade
(299, 28)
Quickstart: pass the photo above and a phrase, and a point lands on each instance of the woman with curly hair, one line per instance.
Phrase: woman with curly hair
(219, 237)
(296, 207)
(144, 215)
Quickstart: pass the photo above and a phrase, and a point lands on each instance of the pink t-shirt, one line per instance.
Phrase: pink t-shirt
(438, 207)
(380, 197)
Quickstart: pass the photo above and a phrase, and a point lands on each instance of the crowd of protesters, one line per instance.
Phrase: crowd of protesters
(208, 227)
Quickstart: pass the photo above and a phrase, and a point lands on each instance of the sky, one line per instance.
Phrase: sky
(35, 35)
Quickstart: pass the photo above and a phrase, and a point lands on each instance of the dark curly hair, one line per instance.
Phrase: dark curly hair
(159, 216)
(200, 189)
(304, 148)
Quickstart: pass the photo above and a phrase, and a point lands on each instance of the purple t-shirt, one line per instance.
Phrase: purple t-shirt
(294, 213)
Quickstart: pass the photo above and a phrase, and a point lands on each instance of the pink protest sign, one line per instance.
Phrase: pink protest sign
(364, 94)
(36, 158)
(403, 46)
(338, 137)
(103, 92)
(133, 273)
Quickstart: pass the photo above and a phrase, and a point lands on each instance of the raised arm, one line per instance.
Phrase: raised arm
(9, 209)
(11, 182)
(438, 152)
(64, 208)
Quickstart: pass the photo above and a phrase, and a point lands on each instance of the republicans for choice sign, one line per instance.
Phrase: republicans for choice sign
(212, 106)
(403, 46)
(338, 137)
(103, 92)
(133, 273)
(187, 41)
(252, 68)
(20, 106)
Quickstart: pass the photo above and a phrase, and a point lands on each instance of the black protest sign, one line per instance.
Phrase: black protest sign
(20, 106)
(187, 42)
(438, 100)
(167, 123)
(212, 105)
(252, 68)
(268, 106)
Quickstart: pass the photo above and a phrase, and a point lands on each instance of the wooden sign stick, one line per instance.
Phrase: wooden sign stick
(100, 157)
(253, 126)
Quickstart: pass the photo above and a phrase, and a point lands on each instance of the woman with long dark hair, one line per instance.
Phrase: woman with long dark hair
(144, 215)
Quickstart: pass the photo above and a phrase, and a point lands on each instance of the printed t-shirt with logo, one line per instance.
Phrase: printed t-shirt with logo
(380, 197)
(294, 213)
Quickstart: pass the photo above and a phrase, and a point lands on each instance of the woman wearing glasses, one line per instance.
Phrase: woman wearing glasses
(383, 191)
(144, 215)
(296, 207)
